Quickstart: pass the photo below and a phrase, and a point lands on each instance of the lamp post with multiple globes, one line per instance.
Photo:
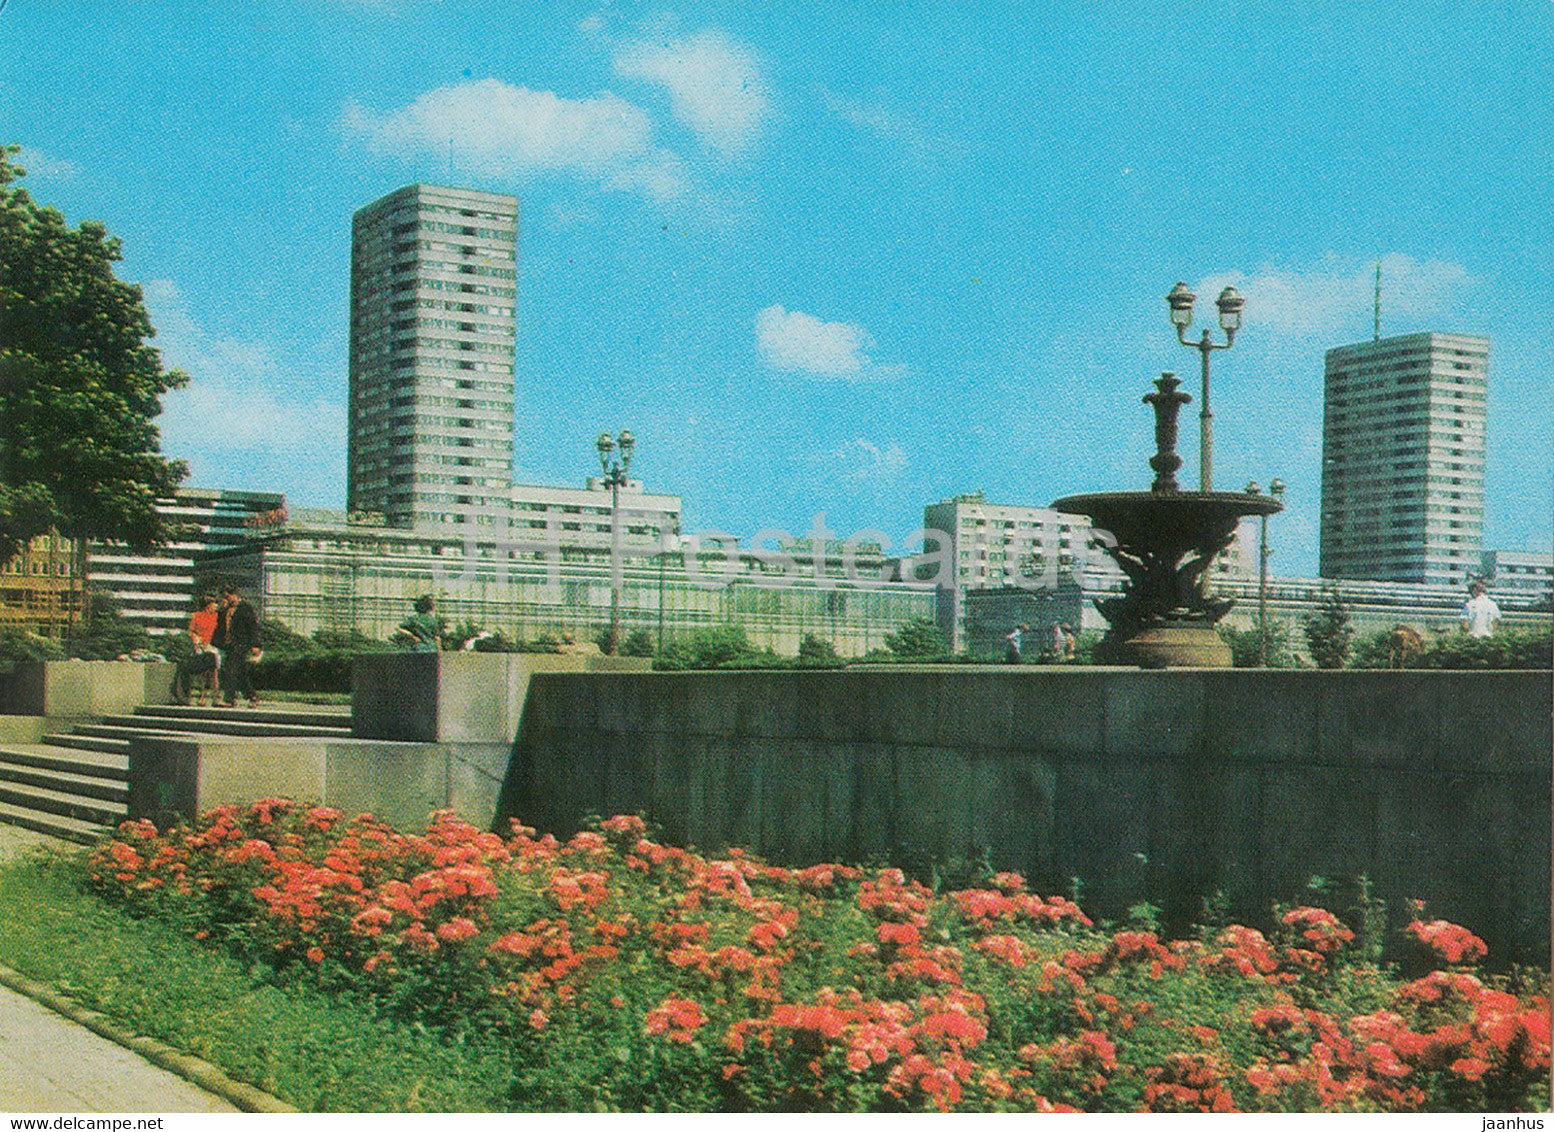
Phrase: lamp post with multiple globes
(1180, 300)
(615, 477)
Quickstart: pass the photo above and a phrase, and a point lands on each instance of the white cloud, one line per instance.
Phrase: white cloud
(862, 461)
(715, 86)
(1337, 297)
(230, 406)
(39, 164)
(503, 129)
(795, 342)
(891, 127)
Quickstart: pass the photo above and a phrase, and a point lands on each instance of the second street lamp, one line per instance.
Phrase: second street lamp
(615, 477)
(1180, 300)
(1264, 552)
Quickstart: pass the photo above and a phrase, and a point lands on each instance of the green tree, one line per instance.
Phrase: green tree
(1328, 632)
(1246, 645)
(79, 386)
(917, 638)
(103, 633)
(816, 650)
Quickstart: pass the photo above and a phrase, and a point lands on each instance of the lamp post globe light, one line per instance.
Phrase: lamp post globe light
(1264, 552)
(1180, 301)
(615, 476)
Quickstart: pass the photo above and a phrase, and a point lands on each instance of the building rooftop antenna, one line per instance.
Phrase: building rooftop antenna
(1377, 329)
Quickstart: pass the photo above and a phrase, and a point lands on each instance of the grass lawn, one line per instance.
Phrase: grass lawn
(317, 1052)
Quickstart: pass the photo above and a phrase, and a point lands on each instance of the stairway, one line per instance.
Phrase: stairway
(75, 785)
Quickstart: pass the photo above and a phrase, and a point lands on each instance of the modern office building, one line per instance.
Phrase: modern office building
(1403, 459)
(155, 587)
(433, 304)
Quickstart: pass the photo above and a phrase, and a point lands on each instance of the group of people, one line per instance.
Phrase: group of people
(1060, 647)
(225, 636)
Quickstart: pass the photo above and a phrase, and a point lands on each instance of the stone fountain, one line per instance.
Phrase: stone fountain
(1165, 540)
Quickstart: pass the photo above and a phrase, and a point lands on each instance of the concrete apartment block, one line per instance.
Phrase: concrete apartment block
(1403, 446)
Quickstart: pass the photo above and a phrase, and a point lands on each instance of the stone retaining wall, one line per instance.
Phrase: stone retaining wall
(1165, 786)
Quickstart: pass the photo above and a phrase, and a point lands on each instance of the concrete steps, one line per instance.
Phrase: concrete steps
(332, 719)
(84, 742)
(75, 785)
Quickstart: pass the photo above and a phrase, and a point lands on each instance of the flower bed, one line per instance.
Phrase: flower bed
(625, 974)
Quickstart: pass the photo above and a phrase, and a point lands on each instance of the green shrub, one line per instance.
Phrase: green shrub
(715, 646)
(917, 639)
(1508, 648)
(614, 972)
(639, 642)
(104, 634)
(17, 645)
(1520, 647)
(1246, 645)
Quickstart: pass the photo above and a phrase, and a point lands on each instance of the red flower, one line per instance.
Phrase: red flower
(457, 929)
(677, 1019)
(1451, 942)
(1473, 1068)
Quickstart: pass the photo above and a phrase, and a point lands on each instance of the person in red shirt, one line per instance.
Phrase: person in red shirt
(205, 662)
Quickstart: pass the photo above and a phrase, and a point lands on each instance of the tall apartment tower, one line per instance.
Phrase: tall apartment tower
(433, 298)
(1403, 459)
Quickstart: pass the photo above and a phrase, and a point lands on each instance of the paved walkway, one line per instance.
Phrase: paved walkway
(51, 1064)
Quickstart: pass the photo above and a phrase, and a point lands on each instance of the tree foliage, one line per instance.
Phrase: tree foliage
(1520, 647)
(1328, 632)
(17, 645)
(917, 638)
(714, 646)
(105, 633)
(1246, 645)
(79, 385)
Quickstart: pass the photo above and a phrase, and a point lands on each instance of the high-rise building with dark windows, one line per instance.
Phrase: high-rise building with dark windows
(433, 299)
(1403, 459)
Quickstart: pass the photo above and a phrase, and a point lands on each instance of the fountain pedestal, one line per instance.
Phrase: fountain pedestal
(1166, 540)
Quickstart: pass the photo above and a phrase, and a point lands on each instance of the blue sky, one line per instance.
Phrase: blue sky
(845, 258)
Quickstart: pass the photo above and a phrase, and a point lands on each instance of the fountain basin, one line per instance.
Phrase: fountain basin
(1165, 541)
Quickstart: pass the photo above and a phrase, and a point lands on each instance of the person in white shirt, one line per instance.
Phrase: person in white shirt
(1480, 613)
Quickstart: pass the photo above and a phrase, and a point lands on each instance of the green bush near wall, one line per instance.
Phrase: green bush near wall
(1509, 648)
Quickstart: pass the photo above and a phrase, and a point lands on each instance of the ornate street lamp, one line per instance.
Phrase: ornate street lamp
(1264, 552)
(1180, 300)
(615, 476)
(669, 545)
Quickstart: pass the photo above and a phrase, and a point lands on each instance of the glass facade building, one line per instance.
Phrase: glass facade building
(329, 571)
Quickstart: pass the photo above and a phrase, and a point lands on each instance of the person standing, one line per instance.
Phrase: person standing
(237, 636)
(1480, 614)
(1016, 639)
